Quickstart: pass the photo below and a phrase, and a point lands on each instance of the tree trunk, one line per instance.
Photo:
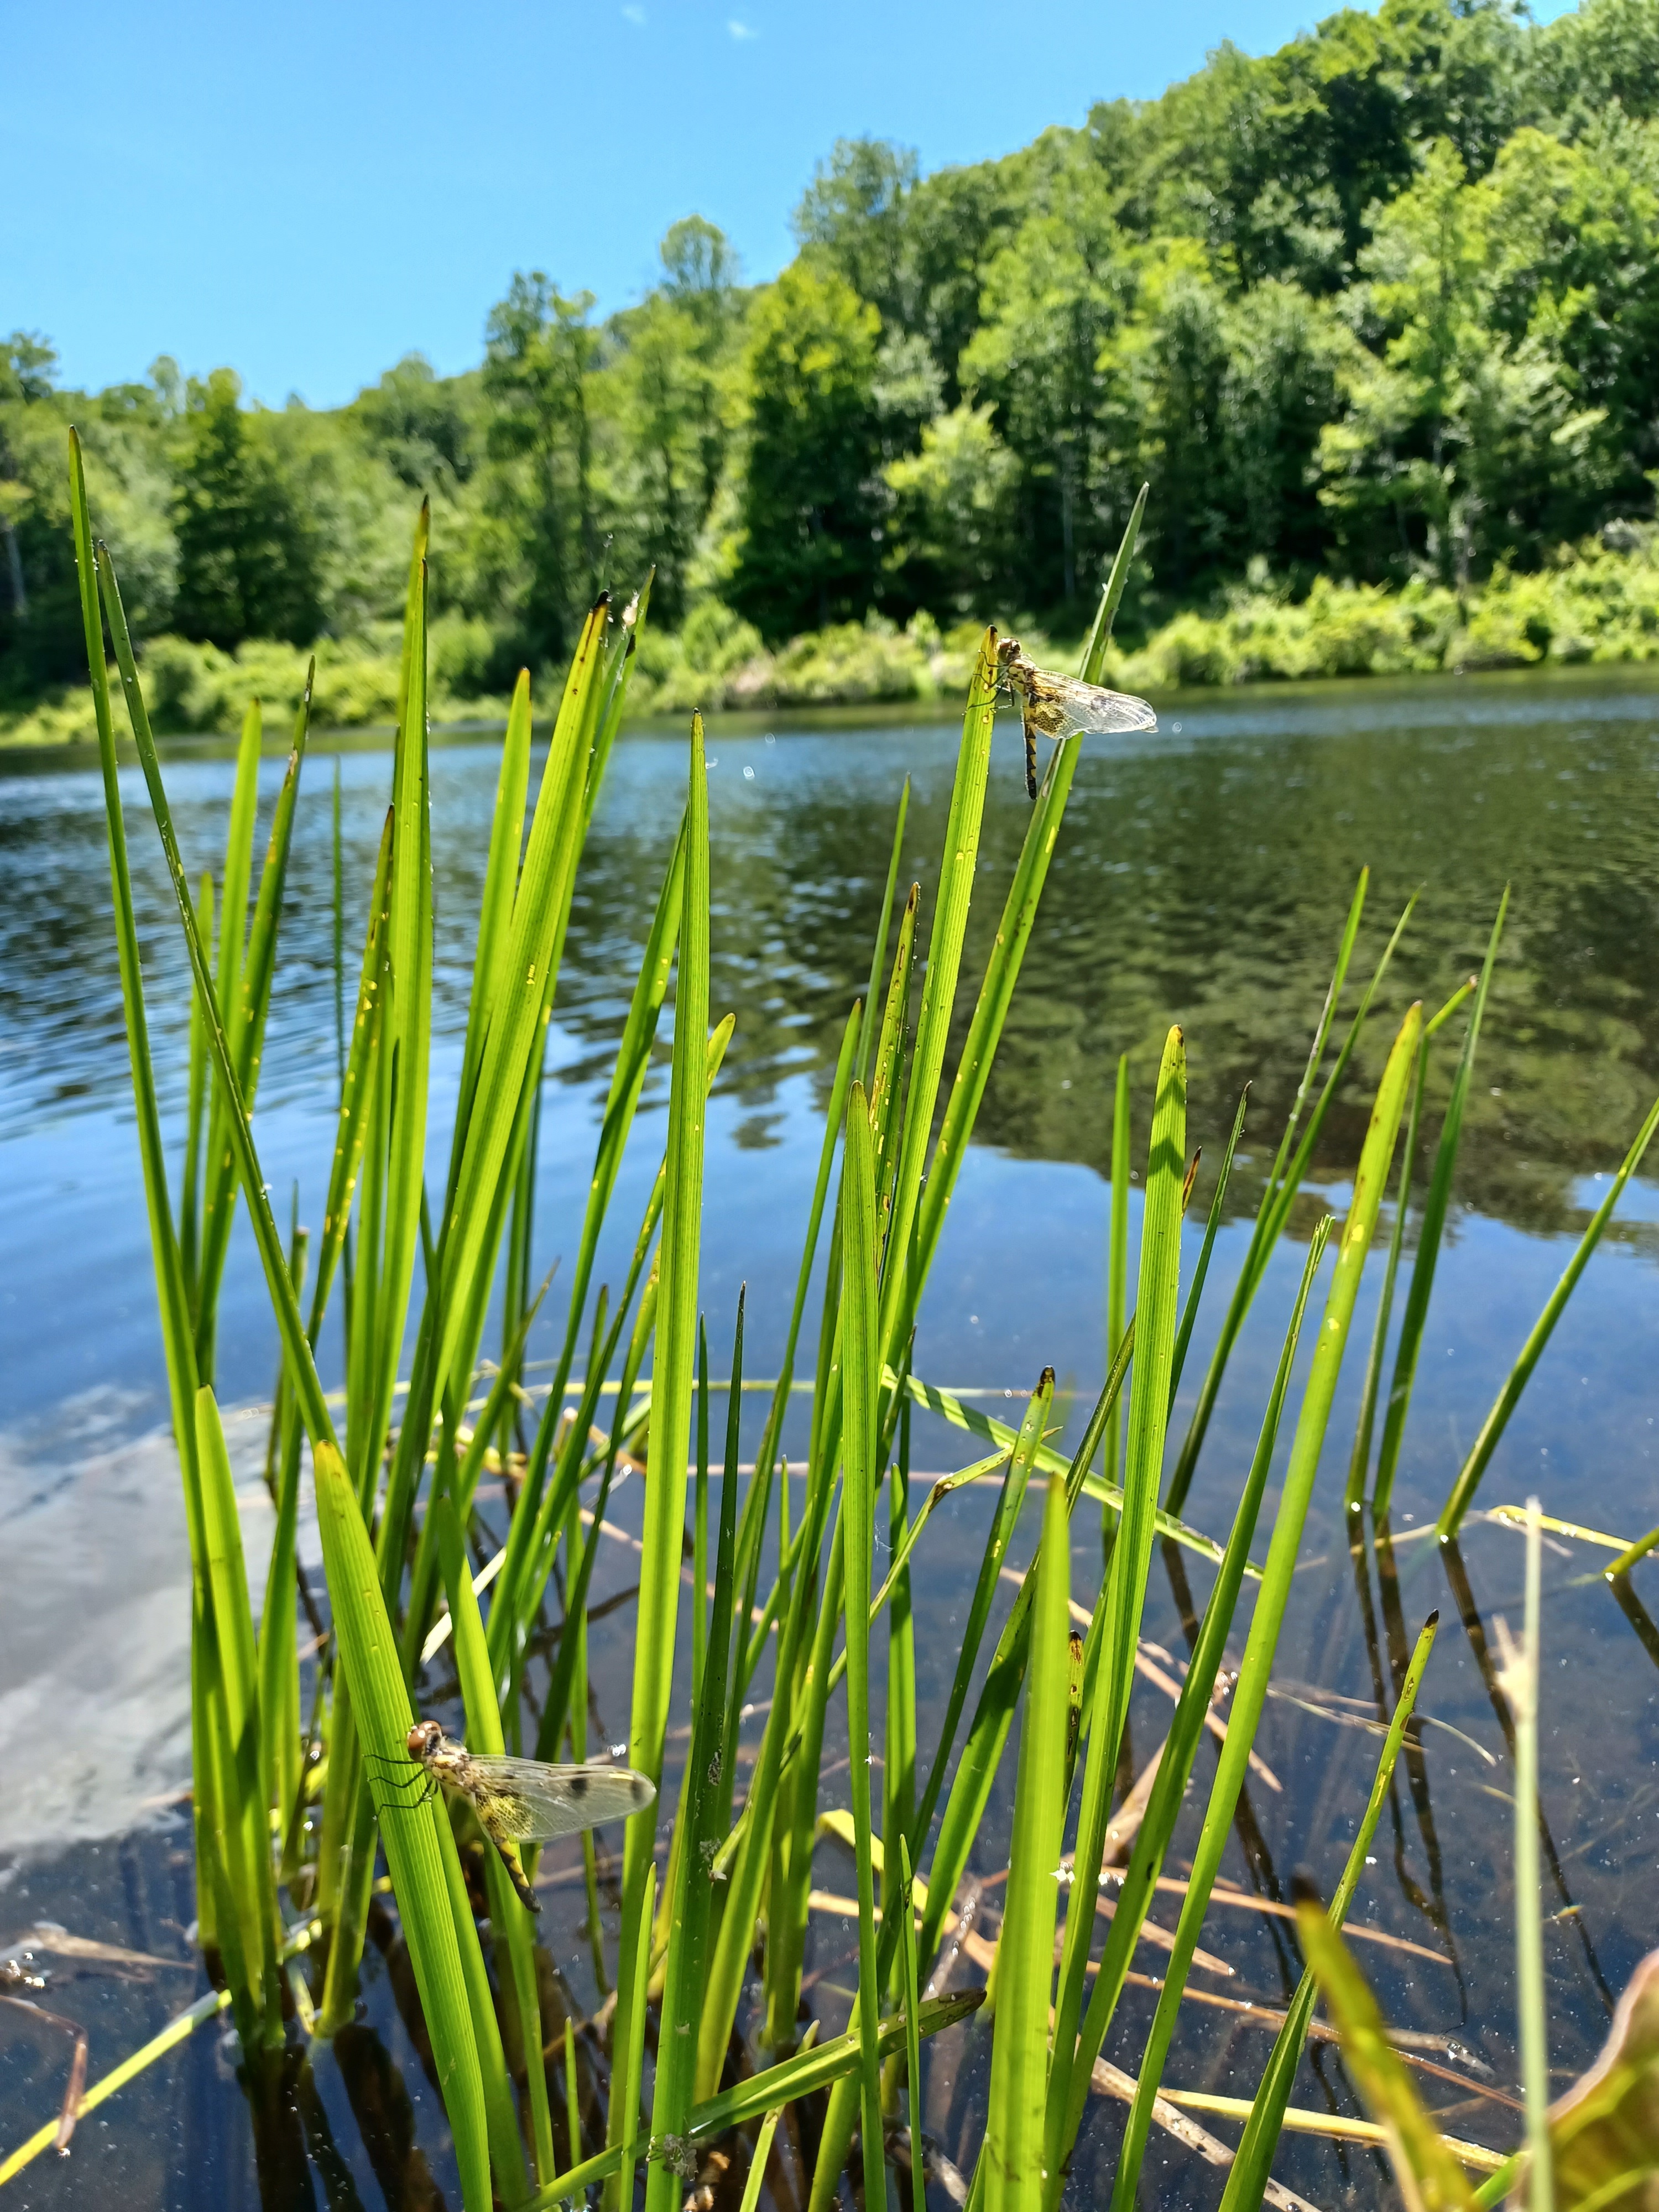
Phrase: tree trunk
(20, 598)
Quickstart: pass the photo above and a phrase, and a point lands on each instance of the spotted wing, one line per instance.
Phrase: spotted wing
(531, 1801)
(1094, 711)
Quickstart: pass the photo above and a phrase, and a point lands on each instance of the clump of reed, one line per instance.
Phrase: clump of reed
(291, 1813)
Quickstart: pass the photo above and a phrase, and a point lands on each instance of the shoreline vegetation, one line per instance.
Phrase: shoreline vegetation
(1597, 604)
(1375, 317)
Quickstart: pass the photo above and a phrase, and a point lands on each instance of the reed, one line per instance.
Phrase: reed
(718, 1885)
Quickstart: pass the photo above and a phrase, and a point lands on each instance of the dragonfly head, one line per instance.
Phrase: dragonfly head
(423, 1739)
(1008, 650)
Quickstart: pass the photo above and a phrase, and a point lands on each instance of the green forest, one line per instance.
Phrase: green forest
(1376, 317)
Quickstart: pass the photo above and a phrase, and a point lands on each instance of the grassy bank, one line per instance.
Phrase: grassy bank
(1597, 603)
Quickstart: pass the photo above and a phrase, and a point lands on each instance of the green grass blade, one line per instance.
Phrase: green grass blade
(765, 1829)
(1189, 1311)
(513, 1927)
(245, 1833)
(1429, 1235)
(886, 1090)
(1117, 1261)
(1285, 1179)
(338, 855)
(766, 1812)
(407, 1035)
(676, 1330)
(366, 1643)
(178, 1333)
(1251, 1690)
(700, 1522)
(557, 1702)
(910, 1980)
(879, 950)
(1012, 2156)
(628, 1079)
(496, 907)
(772, 2090)
(898, 1809)
(703, 1802)
(238, 863)
(357, 1088)
(624, 2113)
(796, 1823)
(1121, 1601)
(245, 1028)
(756, 2179)
(626, 1082)
(259, 962)
(816, 2068)
(1492, 1428)
(380, 1711)
(1428, 2174)
(1046, 1460)
(517, 1024)
(572, 2096)
(171, 1288)
(1359, 1462)
(957, 866)
(190, 1203)
(277, 1646)
(1495, 2188)
(1247, 2181)
(966, 1804)
(862, 1385)
(1322, 1029)
(348, 1822)
(610, 693)
(1092, 664)
(515, 1609)
(1519, 1678)
(756, 1504)
(296, 1348)
(496, 1406)
(907, 1534)
(984, 1030)
(1068, 2087)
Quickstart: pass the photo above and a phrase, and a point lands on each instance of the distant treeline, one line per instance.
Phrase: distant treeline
(1381, 307)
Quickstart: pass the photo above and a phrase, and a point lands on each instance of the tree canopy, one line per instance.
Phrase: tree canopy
(1383, 304)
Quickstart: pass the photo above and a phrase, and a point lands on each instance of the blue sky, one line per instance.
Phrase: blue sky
(309, 191)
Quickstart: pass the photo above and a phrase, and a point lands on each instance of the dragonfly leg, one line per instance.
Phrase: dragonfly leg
(395, 1788)
(395, 1804)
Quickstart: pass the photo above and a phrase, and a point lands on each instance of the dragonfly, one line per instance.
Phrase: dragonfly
(1060, 707)
(518, 1801)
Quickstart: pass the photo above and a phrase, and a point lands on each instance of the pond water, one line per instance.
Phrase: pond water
(1202, 876)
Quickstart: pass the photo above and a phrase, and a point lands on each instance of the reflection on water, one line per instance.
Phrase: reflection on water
(1202, 876)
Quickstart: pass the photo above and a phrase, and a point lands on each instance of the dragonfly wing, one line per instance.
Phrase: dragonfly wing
(1098, 713)
(533, 1802)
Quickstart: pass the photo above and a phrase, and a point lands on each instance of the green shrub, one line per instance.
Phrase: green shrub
(1596, 602)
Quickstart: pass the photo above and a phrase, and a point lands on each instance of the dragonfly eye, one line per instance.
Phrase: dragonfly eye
(424, 1737)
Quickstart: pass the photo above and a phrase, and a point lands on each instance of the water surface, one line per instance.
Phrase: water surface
(1201, 876)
